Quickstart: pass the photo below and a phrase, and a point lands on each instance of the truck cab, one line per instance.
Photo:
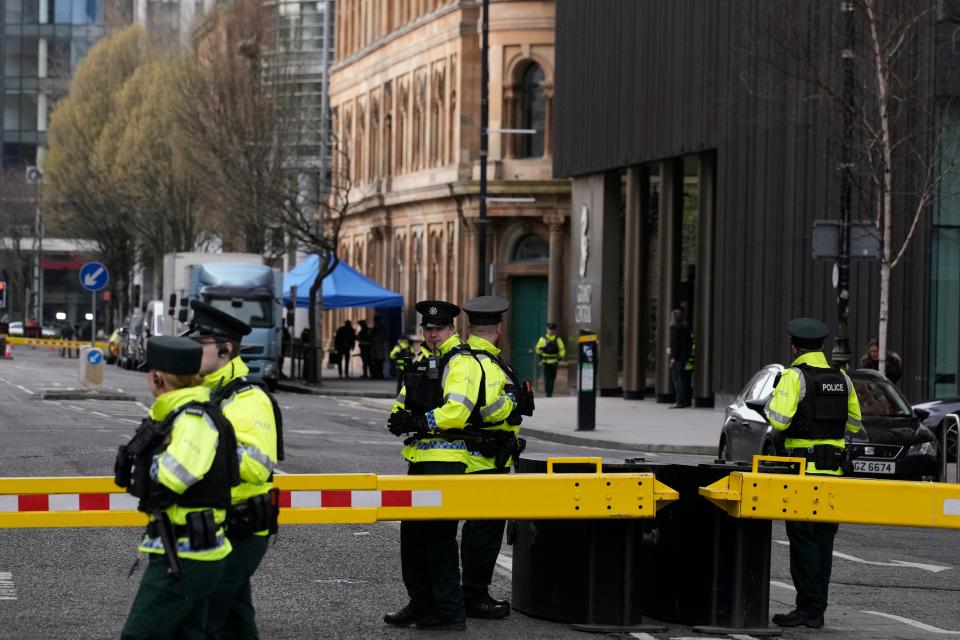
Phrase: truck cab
(249, 293)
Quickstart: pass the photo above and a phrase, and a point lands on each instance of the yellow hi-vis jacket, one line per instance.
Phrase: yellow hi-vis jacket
(499, 404)
(788, 393)
(550, 358)
(397, 353)
(188, 457)
(250, 412)
(461, 387)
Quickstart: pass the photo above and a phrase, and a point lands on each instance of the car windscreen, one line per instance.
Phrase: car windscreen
(879, 398)
(258, 313)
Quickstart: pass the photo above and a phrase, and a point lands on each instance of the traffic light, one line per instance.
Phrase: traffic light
(3, 294)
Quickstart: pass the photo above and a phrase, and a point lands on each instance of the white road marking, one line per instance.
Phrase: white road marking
(56, 384)
(913, 623)
(783, 585)
(741, 636)
(642, 635)
(932, 568)
(361, 533)
(505, 564)
(128, 421)
(307, 432)
(8, 591)
(23, 388)
(102, 415)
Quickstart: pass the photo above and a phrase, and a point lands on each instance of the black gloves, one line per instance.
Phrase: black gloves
(402, 422)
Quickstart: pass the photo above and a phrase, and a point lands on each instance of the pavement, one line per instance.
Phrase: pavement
(628, 425)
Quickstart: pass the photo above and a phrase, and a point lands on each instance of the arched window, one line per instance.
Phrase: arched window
(533, 112)
(531, 248)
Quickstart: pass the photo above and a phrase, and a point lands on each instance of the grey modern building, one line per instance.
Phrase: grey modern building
(41, 44)
(699, 168)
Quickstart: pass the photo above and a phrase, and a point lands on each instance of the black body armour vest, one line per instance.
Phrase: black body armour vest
(424, 385)
(822, 413)
(132, 469)
(551, 348)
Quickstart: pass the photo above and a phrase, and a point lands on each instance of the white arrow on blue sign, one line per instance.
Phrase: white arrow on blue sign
(94, 357)
(94, 276)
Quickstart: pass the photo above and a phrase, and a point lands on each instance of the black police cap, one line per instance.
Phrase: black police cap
(171, 354)
(207, 320)
(486, 310)
(552, 325)
(437, 313)
(807, 333)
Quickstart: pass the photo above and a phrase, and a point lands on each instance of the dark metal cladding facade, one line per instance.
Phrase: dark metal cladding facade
(639, 81)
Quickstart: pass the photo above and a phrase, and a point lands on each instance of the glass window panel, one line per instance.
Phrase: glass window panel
(28, 111)
(58, 59)
(28, 57)
(11, 60)
(11, 111)
(533, 112)
(14, 12)
(31, 12)
(945, 316)
(62, 11)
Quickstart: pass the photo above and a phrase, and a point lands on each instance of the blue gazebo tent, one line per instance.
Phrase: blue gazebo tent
(341, 289)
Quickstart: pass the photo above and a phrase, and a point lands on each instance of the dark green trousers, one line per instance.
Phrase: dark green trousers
(230, 611)
(811, 561)
(429, 556)
(172, 607)
(480, 543)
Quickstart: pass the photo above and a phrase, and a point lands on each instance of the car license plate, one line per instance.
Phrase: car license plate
(874, 466)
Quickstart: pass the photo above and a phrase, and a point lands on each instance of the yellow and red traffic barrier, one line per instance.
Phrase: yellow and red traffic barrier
(361, 498)
(52, 343)
(820, 498)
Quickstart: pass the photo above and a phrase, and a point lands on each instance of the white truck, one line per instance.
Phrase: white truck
(239, 284)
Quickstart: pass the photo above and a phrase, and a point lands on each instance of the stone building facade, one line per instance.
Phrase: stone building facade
(405, 107)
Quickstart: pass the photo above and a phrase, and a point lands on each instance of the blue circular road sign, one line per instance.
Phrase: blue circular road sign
(94, 356)
(94, 276)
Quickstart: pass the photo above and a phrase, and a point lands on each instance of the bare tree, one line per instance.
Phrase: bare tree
(901, 154)
(257, 139)
(17, 213)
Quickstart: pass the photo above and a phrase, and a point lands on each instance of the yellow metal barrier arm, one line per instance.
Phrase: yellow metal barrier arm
(819, 498)
(361, 498)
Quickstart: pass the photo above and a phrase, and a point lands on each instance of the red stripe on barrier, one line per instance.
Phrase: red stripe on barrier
(335, 499)
(396, 498)
(33, 503)
(285, 499)
(94, 502)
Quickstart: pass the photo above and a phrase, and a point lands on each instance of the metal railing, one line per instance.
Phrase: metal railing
(951, 425)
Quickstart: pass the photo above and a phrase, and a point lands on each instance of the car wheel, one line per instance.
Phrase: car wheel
(722, 452)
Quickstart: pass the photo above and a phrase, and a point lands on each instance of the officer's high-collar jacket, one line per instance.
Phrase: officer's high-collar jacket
(167, 402)
(250, 411)
(229, 372)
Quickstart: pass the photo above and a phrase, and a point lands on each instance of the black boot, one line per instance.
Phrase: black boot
(405, 617)
(437, 622)
(488, 608)
(797, 618)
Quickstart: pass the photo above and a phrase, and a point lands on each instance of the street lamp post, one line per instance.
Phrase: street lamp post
(482, 220)
(841, 348)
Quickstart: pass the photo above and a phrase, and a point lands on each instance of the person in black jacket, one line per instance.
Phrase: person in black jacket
(344, 341)
(680, 350)
(871, 360)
